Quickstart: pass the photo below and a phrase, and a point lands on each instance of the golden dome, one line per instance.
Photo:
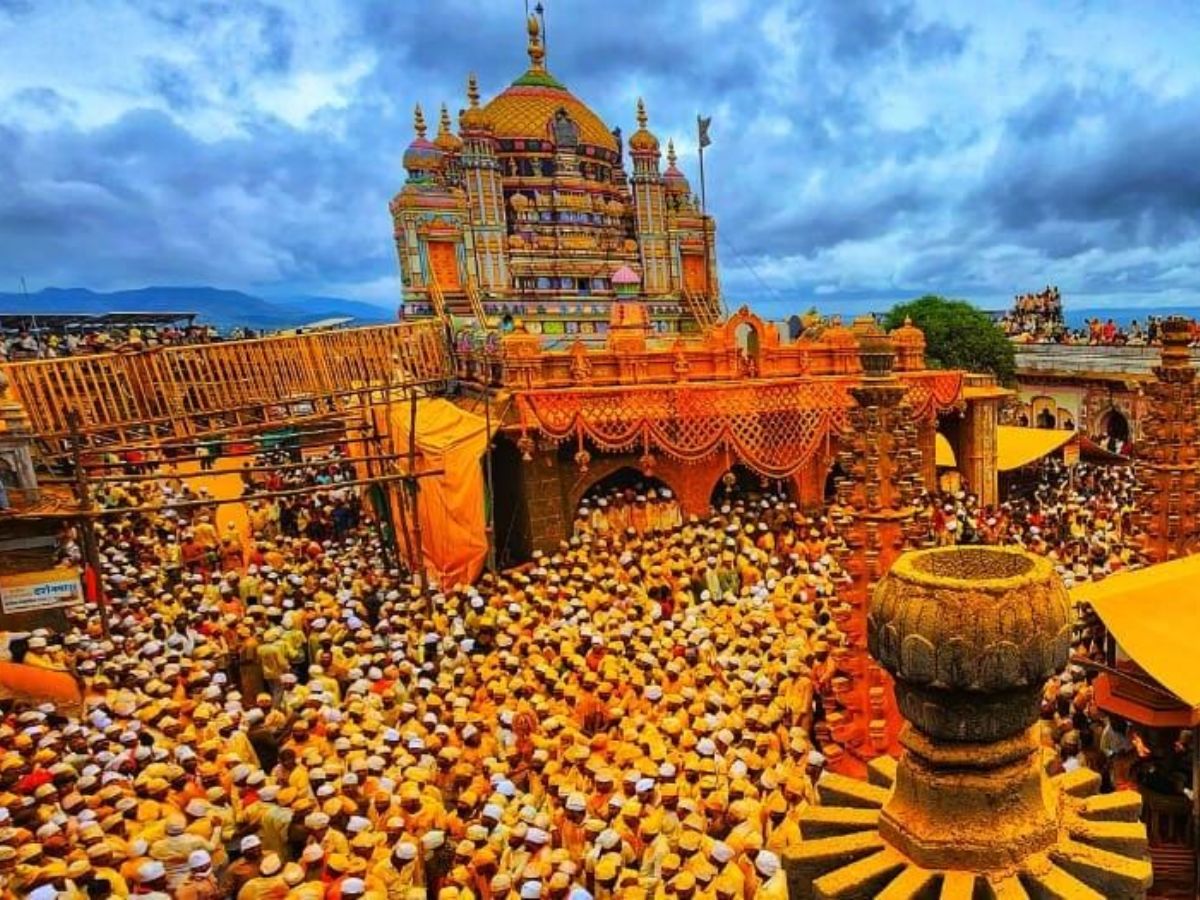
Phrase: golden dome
(642, 140)
(526, 108)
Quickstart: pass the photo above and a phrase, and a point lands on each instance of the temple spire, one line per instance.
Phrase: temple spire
(419, 121)
(642, 118)
(671, 153)
(537, 53)
(444, 124)
(473, 91)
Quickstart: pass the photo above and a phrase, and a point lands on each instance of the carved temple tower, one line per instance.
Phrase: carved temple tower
(1168, 462)
(529, 211)
(649, 206)
(881, 463)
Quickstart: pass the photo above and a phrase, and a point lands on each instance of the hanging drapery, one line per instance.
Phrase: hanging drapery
(775, 428)
(931, 392)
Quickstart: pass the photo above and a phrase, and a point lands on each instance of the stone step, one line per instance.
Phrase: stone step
(1121, 806)
(1055, 884)
(1006, 888)
(1125, 838)
(914, 883)
(839, 790)
(862, 880)
(828, 821)
(812, 859)
(958, 886)
(1113, 875)
(881, 772)
(1080, 783)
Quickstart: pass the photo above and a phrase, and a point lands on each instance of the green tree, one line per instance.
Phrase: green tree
(957, 336)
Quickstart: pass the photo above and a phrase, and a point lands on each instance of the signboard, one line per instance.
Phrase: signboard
(48, 589)
(1071, 453)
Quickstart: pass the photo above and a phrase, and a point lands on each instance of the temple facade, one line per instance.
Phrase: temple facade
(530, 209)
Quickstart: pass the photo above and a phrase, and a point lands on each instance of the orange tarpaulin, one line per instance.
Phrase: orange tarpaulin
(451, 504)
(34, 685)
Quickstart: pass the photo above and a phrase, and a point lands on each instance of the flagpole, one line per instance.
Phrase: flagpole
(703, 140)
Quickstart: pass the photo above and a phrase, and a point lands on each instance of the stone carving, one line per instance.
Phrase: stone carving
(970, 634)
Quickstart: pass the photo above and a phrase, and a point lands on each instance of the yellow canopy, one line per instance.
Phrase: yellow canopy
(943, 452)
(1016, 447)
(1154, 614)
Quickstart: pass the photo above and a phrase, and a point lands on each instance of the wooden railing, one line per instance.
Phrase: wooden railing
(200, 388)
(705, 310)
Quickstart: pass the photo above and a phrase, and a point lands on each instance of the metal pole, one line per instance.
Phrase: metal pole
(414, 489)
(87, 533)
(487, 420)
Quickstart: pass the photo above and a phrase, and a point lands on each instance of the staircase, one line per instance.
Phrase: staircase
(705, 310)
(437, 297)
(476, 301)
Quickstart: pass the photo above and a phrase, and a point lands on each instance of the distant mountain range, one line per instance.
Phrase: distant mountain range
(224, 309)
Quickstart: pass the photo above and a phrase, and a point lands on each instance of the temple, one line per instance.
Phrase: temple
(530, 213)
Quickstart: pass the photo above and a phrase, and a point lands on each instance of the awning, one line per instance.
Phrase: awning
(943, 452)
(1154, 614)
(1093, 452)
(1016, 447)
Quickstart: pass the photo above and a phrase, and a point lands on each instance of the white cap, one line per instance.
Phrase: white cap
(199, 859)
(767, 863)
(353, 887)
(151, 870)
(250, 841)
(405, 850)
(531, 890)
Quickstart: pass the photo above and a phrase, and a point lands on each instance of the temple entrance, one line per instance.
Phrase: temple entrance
(627, 499)
(1114, 426)
(835, 472)
(514, 542)
(743, 483)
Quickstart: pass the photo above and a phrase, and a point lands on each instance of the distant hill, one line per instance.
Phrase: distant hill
(224, 309)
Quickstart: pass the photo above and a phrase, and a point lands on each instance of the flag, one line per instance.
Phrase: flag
(702, 124)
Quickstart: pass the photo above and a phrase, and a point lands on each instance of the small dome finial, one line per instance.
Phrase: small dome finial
(642, 119)
(537, 53)
(444, 124)
(419, 121)
(670, 152)
(473, 91)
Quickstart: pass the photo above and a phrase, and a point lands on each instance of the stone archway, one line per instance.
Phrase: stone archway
(748, 483)
(1113, 425)
(610, 473)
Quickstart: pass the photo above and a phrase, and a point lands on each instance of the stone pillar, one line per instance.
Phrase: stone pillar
(976, 449)
(970, 635)
(927, 444)
(1167, 462)
(881, 460)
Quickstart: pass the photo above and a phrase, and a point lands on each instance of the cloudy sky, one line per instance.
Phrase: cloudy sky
(862, 148)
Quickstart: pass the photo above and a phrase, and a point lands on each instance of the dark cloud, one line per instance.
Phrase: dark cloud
(843, 161)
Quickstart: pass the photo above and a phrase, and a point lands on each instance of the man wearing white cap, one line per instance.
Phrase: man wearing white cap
(152, 880)
(268, 884)
(200, 882)
(773, 883)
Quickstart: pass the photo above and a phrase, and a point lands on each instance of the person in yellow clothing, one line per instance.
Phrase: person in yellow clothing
(268, 884)
(399, 872)
(273, 656)
(772, 882)
(201, 882)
